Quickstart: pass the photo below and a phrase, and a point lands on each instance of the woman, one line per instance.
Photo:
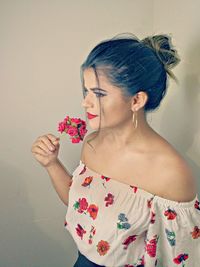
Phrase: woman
(133, 198)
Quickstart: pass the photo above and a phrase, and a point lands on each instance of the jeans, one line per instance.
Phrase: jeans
(82, 261)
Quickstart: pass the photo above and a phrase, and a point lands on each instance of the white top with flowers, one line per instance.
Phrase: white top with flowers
(116, 224)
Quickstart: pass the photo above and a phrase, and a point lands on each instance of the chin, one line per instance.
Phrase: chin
(93, 128)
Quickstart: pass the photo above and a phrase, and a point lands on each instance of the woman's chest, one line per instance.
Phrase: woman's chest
(143, 171)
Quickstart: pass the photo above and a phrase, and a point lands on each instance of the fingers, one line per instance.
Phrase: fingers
(39, 147)
(44, 143)
(53, 138)
(48, 142)
(39, 151)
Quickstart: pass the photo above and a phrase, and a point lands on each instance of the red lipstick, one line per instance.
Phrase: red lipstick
(91, 116)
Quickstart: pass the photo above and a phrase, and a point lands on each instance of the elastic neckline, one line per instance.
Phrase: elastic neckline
(156, 198)
(142, 191)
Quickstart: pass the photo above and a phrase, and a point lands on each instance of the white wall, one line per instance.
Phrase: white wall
(42, 44)
(178, 119)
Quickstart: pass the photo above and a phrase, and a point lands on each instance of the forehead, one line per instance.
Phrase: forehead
(90, 80)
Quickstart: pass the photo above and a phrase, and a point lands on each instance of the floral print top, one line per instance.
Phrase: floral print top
(120, 225)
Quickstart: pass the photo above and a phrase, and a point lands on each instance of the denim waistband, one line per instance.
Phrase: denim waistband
(84, 261)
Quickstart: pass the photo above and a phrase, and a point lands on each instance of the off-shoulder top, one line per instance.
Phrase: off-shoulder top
(116, 224)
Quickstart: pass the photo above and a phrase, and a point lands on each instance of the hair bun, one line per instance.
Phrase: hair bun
(162, 46)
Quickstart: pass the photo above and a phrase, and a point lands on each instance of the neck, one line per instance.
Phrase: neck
(126, 135)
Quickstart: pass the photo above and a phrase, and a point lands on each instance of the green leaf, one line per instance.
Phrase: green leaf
(119, 226)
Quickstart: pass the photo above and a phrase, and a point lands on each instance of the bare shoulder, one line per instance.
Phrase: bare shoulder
(84, 147)
(179, 183)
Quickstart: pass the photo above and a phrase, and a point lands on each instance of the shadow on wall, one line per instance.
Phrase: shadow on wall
(22, 243)
(184, 126)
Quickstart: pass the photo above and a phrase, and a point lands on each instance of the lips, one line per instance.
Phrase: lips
(91, 116)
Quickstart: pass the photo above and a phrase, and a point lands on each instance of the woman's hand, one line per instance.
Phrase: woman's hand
(45, 149)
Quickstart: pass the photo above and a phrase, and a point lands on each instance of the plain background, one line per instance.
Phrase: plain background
(42, 45)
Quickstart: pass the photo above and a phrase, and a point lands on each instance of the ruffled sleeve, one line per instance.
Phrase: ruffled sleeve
(77, 169)
(173, 235)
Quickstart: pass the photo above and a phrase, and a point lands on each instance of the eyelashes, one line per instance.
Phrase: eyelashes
(97, 94)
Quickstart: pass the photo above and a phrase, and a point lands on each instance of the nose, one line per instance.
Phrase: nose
(87, 102)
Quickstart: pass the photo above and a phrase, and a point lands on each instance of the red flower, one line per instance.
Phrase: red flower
(92, 233)
(72, 131)
(80, 231)
(151, 246)
(75, 140)
(134, 188)
(152, 217)
(180, 258)
(105, 178)
(83, 204)
(143, 261)
(129, 240)
(149, 202)
(197, 205)
(66, 119)
(171, 214)
(103, 247)
(195, 233)
(82, 130)
(74, 127)
(75, 120)
(61, 126)
(87, 181)
(109, 198)
(93, 210)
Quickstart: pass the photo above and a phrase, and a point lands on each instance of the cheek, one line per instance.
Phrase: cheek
(114, 104)
(113, 111)
(108, 104)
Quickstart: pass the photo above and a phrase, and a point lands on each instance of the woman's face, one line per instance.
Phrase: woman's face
(115, 111)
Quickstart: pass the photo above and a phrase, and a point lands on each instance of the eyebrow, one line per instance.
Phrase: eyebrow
(95, 88)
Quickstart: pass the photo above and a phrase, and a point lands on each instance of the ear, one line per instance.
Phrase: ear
(139, 100)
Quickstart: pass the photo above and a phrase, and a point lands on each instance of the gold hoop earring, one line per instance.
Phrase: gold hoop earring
(135, 120)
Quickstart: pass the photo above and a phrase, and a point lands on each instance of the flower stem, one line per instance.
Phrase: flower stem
(60, 135)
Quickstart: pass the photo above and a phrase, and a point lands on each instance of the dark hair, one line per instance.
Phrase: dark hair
(135, 65)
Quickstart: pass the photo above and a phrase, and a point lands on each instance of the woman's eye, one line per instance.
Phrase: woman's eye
(97, 94)
(84, 92)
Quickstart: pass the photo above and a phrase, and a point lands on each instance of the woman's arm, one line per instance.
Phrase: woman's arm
(59, 175)
(60, 179)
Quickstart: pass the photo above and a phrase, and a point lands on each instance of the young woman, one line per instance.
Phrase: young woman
(132, 200)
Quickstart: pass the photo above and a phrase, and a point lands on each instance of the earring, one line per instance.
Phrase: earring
(135, 120)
